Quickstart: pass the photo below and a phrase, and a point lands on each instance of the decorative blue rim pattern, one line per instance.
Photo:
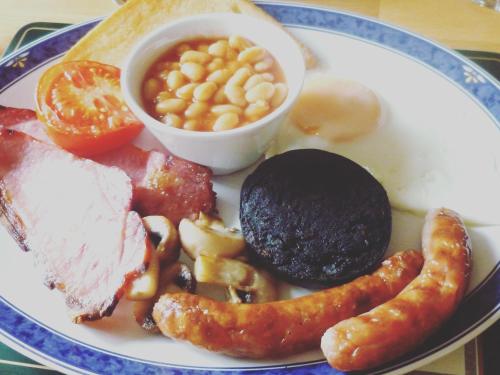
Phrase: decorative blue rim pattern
(480, 306)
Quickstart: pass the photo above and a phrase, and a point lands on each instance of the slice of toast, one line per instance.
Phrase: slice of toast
(111, 41)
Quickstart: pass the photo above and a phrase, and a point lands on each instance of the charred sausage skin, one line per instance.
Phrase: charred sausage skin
(283, 327)
(401, 324)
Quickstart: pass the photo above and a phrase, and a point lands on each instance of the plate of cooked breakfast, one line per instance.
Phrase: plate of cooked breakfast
(229, 186)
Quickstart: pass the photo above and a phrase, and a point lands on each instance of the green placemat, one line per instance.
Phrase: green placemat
(13, 363)
(30, 33)
(489, 61)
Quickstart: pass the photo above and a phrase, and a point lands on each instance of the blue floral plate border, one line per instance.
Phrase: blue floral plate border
(480, 309)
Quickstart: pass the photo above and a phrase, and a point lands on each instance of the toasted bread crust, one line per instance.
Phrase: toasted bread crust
(112, 40)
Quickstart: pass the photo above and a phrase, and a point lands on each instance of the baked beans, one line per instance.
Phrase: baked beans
(213, 84)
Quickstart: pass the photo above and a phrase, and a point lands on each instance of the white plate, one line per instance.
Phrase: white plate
(390, 61)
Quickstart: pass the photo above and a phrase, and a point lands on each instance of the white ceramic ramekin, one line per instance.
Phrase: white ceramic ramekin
(227, 151)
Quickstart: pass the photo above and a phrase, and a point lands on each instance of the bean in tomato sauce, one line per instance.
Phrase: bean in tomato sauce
(213, 84)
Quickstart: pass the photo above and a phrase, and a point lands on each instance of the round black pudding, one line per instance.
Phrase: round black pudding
(314, 218)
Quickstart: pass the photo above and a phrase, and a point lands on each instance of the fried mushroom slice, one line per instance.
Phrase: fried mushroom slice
(163, 235)
(209, 236)
(173, 279)
(239, 296)
(245, 283)
(146, 285)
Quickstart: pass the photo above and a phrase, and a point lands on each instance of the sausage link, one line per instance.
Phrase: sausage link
(401, 324)
(283, 327)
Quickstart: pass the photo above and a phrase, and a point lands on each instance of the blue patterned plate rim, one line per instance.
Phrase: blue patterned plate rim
(456, 54)
(57, 350)
(471, 79)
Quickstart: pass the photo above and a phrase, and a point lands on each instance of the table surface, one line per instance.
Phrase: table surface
(459, 24)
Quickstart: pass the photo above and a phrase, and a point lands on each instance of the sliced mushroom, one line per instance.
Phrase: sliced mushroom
(183, 278)
(164, 235)
(209, 236)
(173, 279)
(145, 286)
(239, 296)
(232, 295)
(238, 275)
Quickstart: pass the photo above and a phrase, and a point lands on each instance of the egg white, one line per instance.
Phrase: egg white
(421, 165)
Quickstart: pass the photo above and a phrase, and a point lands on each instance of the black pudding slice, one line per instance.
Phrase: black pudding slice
(315, 218)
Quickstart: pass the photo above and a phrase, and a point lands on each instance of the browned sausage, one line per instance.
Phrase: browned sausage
(283, 327)
(401, 324)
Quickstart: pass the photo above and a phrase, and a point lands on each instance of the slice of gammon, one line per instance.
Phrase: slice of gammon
(75, 216)
(23, 120)
(163, 184)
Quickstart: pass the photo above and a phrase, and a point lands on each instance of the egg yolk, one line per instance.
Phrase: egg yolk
(336, 109)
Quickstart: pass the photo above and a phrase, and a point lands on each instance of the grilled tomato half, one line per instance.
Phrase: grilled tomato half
(82, 107)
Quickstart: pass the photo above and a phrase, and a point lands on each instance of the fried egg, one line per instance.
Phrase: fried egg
(336, 109)
(421, 166)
